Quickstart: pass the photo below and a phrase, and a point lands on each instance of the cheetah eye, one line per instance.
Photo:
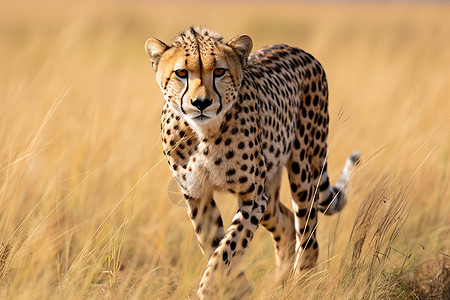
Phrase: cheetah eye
(181, 73)
(219, 72)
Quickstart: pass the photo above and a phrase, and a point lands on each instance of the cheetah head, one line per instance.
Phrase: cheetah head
(200, 75)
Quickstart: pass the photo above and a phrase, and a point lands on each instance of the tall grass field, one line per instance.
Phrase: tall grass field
(87, 206)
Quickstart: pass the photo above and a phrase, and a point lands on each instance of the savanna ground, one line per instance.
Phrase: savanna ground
(84, 205)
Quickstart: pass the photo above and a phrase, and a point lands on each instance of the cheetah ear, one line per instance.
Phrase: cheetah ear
(242, 45)
(155, 48)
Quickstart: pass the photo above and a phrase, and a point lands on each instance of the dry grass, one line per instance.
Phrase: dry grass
(84, 211)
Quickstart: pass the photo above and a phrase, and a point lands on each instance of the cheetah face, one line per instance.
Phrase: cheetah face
(199, 75)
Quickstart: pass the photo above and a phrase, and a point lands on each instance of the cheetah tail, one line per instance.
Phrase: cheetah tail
(332, 199)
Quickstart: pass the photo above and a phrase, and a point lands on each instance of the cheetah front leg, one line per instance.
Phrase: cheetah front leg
(221, 266)
(207, 221)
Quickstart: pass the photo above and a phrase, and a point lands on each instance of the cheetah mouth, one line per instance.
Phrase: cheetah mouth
(201, 117)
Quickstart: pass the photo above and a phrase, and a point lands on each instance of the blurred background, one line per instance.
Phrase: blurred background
(84, 204)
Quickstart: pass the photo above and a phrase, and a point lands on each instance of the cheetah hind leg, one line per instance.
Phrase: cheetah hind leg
(332, 199)
(279, 221)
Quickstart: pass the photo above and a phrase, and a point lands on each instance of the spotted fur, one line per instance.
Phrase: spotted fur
(232, 122)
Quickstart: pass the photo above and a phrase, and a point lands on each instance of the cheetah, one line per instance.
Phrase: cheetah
(231, 121)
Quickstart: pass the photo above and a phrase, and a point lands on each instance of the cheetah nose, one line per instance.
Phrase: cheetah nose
(201, 104)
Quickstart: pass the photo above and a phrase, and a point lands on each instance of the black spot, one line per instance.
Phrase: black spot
(230, 154)
(225, 255)
(233, 245)
(293, 187)
(317, 134)
(308, 99)
(304, 113)
(295, 168)
(231, 172)
(304, 230)
(217, 142)
(301, 212)
(182, 133)
(303, 175)
(255, 206)
(302, 130)
(244, 243)
(260, 189)
(218, 161)
(245, 214)
(316, 100)
(302, 154)
(302, 196)
(247, 202)
(244, 168)
(241, 145)
(243, 179)
(219, 221)
(254, 220)
(325, 185)
(307, 244)
(306, 89)
(215, 243)
(227, 142)
(316, 174)
(251, 188)
(312, 213)
(181, 155)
